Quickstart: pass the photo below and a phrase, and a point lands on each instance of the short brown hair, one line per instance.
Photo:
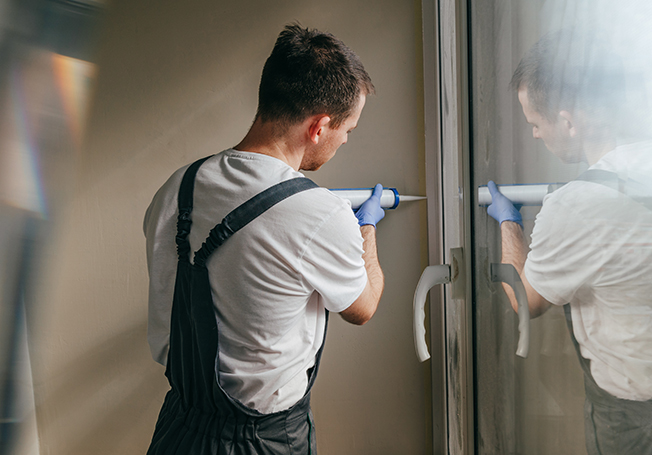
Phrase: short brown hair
(309, 73)
(569, 69)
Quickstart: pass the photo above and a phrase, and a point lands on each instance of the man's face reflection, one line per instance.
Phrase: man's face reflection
(556, 134)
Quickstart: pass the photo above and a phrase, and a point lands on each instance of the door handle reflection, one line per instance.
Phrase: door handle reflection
(506, 273)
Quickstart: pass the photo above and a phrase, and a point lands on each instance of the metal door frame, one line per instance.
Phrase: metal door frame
(447, 156)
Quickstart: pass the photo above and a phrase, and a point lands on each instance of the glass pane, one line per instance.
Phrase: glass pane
(592, 240)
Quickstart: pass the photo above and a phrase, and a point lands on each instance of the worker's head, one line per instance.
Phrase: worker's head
(570, 86)
(311, 73)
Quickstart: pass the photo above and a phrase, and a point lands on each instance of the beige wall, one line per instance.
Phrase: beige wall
(177, 81)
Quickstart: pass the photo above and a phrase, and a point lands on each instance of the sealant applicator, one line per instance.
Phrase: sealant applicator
(520, 193)
(388, 200)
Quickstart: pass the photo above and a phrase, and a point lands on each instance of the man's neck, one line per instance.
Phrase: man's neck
(595, 151)
(597, 138)
(269, 139)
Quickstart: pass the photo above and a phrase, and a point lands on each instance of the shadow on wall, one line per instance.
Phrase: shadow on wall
(110, 376)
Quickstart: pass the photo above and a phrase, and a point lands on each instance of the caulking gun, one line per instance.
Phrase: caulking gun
(388, 200)
(522, 194)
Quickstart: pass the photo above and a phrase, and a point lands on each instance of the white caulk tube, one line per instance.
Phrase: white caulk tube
(388, 200)
(522, 194)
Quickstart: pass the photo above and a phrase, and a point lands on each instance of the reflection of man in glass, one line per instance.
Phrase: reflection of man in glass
(592, 240)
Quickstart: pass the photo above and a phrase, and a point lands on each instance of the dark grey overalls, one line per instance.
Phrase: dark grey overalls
(198, 416)
(612, 426)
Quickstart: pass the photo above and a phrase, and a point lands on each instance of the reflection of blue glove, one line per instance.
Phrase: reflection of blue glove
(501, 208)
(370, 211)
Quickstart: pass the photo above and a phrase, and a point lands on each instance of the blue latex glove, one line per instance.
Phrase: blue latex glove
(370, 211)
(501, 208)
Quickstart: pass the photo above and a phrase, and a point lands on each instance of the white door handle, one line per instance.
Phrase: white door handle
(431, 276)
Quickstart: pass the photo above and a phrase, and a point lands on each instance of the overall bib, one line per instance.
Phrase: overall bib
(198, 416)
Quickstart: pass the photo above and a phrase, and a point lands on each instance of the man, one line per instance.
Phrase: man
(592, 240)
(263, 295)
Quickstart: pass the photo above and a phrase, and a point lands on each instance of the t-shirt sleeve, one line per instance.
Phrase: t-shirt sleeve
(159, 226)
(332, 262)
(563, 256)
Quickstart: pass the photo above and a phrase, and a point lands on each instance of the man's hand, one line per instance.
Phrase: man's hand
(501, 208)
(370, 213)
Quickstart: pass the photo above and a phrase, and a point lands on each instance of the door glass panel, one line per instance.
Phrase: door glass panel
(536, 405)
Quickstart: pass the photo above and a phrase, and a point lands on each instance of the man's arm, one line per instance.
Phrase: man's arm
(364, 307)
(366, 304)
(514, 249)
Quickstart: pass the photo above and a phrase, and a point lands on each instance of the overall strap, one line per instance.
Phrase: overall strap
(606, 178)
(584, 363)
(247, 212)
(611, 180)
(184, 222)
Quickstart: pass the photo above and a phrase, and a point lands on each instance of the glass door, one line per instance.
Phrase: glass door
(504, 383)
(534, 404)
(530, 405)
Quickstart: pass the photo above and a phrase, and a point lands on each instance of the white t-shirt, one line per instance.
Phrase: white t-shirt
(270, 281)
(592, 246)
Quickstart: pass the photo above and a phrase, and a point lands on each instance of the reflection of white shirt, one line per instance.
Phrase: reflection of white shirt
(592, 247)
(270, 281)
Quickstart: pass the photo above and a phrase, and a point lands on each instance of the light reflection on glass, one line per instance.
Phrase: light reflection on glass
(589, 243)
(46, 50)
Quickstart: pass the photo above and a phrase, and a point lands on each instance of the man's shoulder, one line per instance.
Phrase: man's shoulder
(579, 191)
(317, 205)
(230, 178)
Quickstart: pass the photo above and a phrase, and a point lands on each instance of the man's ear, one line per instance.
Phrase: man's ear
(569, 123)
(316, 127)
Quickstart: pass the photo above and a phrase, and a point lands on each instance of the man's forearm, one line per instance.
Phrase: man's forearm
(366, 304)
(372, 264)
(514, 251)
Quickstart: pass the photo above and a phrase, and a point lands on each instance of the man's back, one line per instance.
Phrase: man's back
(270, 282)
(591, 247)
